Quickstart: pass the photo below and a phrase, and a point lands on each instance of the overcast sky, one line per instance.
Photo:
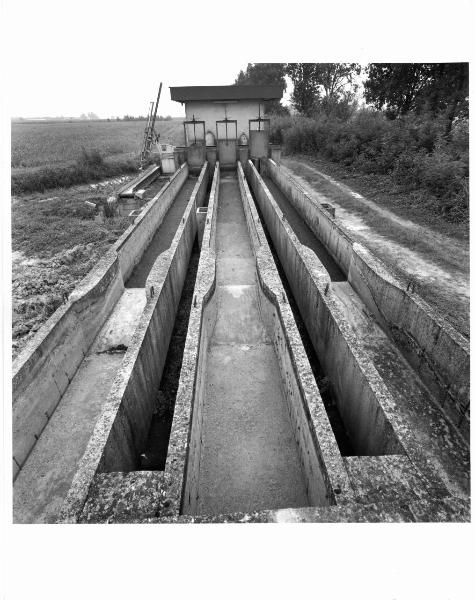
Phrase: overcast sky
(68, 58)
(109, 58)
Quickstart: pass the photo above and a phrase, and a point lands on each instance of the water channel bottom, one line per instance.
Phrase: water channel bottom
(249, 455)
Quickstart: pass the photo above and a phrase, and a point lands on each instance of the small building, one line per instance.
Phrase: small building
(225, 122)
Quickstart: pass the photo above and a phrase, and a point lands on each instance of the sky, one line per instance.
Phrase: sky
(67, 58)
(108, 57)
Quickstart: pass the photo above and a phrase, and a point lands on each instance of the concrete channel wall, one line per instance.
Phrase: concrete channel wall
(45, 368)
(327, 481)
(183, 459)
(319, 454)
(437, 351)
(122, 428)
(364, 402)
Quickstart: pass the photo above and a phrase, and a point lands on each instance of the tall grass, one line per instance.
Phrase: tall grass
(414, 151)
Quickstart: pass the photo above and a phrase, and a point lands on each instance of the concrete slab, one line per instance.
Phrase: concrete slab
(239, 319)
(249, 457)
(119, 327)
(442, 443)
(232, 269)
(44, 481)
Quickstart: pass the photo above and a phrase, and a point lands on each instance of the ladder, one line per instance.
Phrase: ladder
(150, 136)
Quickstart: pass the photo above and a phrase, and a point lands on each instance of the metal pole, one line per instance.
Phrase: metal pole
(156, 105)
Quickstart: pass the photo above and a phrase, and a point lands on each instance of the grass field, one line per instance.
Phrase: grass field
(41, 144)
(48, 155)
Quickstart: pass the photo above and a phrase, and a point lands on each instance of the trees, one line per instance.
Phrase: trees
(336, 79)
(394, 86)
(432, 87)
(265, 74)
(262, 74)
(306, 88)
(329, 87)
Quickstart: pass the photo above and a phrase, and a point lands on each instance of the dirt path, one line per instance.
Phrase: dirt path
(438, 264)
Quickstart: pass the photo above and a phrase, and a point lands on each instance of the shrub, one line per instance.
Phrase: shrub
(90, 159)
(413, 150)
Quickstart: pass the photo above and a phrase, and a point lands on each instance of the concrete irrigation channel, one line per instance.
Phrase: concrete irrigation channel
(282, 313)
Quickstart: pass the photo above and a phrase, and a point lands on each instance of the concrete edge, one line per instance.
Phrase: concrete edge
(154, 277)
(147, 208)
(330, 459)
(321, 280)
(452, 385)
(180, 435)
(382, 270)
(145, 177)
(444, 510)
(89, 464)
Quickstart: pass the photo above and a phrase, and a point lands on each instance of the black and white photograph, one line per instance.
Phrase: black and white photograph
(236, 303)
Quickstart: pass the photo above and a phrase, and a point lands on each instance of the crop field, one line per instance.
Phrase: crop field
(39, 144)
(56, 239)
(48, 155)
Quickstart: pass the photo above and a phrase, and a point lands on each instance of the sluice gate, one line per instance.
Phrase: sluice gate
(246, 361)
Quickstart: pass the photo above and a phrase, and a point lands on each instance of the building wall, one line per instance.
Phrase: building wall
(210, 112)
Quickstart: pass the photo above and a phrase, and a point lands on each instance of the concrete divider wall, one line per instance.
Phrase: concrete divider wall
(136, 239)
(364, 402)
(183, 461)
(319, 454)
(122, 428)
(435, 348)
(44, 369)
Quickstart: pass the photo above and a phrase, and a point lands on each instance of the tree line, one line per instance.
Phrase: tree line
(394, 88)
(412, 127)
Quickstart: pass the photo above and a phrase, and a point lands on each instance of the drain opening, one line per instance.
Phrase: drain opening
(154, 455)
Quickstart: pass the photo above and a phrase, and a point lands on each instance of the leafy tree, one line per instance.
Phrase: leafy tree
(306, 89)
(262, 74)
(403, 87)
(265, 74)
(323, 86)
(337, 79)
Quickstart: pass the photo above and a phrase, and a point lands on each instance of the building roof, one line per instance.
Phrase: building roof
(226, 92)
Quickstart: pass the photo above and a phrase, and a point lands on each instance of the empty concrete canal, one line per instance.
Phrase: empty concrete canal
(249, 458)
(236, 356)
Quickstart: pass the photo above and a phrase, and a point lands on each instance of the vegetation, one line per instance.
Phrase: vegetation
(413, 150)
(55, 242)
(90, 166)
(326, 87)
(265, 74)
(46, 155)
(414, 129)
(434, 88)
